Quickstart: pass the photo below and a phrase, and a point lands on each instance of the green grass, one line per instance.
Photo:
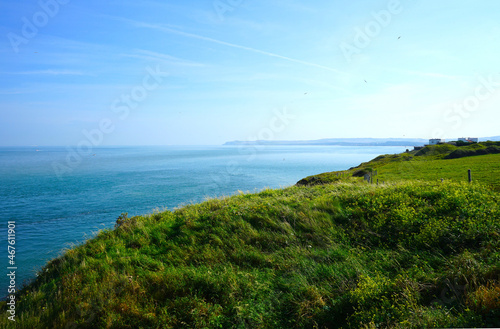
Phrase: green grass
(430, 164)
(334, 253)
(485, 169)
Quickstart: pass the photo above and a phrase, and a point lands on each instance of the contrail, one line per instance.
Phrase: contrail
(195, 36)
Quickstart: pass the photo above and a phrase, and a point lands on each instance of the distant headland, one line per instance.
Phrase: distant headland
(349, 142)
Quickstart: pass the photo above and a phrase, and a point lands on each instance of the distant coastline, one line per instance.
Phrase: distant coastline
(349, 142)
(341, 142)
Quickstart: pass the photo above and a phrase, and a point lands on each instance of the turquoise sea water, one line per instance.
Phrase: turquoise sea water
(53, 209)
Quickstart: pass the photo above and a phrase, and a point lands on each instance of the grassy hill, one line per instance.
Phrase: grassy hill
(331, 252)
(431, 163)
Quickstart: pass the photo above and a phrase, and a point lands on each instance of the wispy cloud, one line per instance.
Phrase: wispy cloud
(232, 45)
(155, 56)
(169, 30)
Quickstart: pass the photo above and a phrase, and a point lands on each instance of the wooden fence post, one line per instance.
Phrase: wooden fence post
(470, 176)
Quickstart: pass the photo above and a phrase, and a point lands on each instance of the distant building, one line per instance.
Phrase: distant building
(436, 141)
(469, 140)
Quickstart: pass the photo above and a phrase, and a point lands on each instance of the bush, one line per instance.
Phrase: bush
(436, 149)
(326, 178)
(124, 221)
(462, 152)
(362, 172)
(462, 143)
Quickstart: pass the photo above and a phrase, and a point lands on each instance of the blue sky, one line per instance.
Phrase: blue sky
(245, 69)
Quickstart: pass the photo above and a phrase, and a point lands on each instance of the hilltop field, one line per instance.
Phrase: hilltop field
(431, 163)
(333, 251)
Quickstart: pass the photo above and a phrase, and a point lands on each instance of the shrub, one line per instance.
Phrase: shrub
(321, 179)
(461, 153)
(362, 172)
(430, 150)
(124, 221)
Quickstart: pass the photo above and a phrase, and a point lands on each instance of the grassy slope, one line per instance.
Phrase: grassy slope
(429, 164)
(407, 254)
(485, 169)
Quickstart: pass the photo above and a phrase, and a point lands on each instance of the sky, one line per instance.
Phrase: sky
(204, 72)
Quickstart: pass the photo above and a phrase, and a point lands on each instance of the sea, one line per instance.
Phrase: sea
(54, 198)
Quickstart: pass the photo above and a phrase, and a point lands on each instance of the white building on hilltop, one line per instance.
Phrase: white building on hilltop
(469, 140)
(436, 141)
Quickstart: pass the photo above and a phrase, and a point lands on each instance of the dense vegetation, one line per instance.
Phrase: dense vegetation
(334, 252)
